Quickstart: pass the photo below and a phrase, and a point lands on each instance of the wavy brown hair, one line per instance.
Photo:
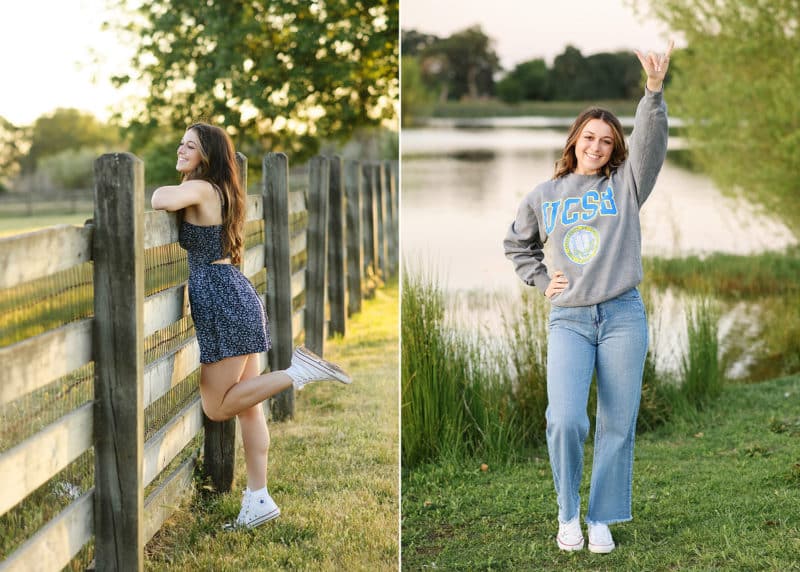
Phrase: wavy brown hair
(569, 162)
(218, 166)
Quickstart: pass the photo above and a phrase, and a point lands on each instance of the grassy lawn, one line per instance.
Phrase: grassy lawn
(20, 224)
(333, 472)
(719, 493)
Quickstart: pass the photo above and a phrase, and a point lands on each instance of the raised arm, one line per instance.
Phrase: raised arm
(647, 147)
(655, 66)
(176, 197)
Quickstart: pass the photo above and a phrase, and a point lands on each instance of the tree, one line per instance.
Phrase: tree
(66, 129)
(69, 169)
(736, 87)
(614, 75)
(412, 42)
(279, 75)
(570, 76)
(463, 64)
(416, 97)
(527, 81)
(14, 143)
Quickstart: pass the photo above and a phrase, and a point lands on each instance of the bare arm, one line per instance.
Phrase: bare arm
(176, 197)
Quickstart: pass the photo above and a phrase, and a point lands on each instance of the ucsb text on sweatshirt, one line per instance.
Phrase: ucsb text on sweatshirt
(593, 220)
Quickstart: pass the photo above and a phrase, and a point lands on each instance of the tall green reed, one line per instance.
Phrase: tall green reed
(456, 402)
(700, 367)
(526, 347)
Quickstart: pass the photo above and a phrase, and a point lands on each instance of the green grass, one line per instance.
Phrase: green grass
(730, 276)
(717, 493)
(333, 472)
(497, 108)
(20, 224)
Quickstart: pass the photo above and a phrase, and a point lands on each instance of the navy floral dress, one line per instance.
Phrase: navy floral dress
(229, 317)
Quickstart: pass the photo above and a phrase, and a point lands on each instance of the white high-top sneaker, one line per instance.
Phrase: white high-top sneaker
(257, 508)
(600, 539)
(570, 536)
(308, 366)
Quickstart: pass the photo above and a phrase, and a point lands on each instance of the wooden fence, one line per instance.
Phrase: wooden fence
(312, 252)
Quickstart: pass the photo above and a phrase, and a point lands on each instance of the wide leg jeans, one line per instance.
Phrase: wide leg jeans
(611, 339)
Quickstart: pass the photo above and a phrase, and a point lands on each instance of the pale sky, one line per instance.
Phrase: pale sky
(47, 59)
(527, 29)
(49, 46)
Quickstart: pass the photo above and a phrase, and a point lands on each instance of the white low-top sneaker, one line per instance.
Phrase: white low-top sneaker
(570, 536)
(600, 539)
(308, 366)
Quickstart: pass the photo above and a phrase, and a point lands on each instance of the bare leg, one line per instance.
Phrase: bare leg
(224, 398)
(255, 435)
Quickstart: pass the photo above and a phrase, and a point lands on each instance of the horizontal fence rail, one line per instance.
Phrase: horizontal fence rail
(96, 327)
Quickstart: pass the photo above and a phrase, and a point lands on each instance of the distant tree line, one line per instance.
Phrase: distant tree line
(465, 65)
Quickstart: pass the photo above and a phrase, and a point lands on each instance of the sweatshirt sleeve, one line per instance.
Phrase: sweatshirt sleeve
(523, 246)
(647, 147)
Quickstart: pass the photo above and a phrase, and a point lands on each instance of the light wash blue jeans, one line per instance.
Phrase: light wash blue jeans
(611, 338)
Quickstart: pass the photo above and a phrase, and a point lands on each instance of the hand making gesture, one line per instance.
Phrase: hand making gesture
(655, 66)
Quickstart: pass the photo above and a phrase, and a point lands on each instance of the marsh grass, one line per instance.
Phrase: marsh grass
(700, 368)
(471, 395)
(456, 400)
(766, 286)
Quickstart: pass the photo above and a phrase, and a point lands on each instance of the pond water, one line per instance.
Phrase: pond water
(461, 188)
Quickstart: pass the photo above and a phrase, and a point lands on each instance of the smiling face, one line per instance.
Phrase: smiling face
(189, 153)
(593, 147)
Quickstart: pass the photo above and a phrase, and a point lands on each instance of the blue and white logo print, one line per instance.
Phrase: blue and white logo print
(582, 242)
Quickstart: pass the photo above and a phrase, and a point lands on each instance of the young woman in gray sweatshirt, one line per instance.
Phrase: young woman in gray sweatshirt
(589, 212)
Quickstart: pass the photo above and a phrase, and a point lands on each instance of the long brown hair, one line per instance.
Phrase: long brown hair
(569, 162)
(218, 166)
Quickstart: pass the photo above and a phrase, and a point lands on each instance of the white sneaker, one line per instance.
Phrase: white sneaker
(570, 536)
(257, 508)
(600, 539)
(308, 366)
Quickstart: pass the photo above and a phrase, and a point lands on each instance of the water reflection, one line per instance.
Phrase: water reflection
(461, 189)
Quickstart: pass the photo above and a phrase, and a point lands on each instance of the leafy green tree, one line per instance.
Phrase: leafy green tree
(463, 64)
(13, 146)
(737, 88)
(570, 76)
(66, 129)
(614, 76)
(70, 169)
(413, 43)
(416, 97)
(279, 75)
(527, 81)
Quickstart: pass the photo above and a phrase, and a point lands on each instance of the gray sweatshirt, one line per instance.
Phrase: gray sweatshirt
(593, 220)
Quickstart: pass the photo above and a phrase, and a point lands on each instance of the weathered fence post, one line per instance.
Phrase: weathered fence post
(318, 179)
(275, 192)
(368, 221)
(337, 291)
(380, 220)
(390, 214)
(219, 443)
(355, 245)
(118, 343)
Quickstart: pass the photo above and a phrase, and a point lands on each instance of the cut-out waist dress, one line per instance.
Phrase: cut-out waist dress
(228, 314)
